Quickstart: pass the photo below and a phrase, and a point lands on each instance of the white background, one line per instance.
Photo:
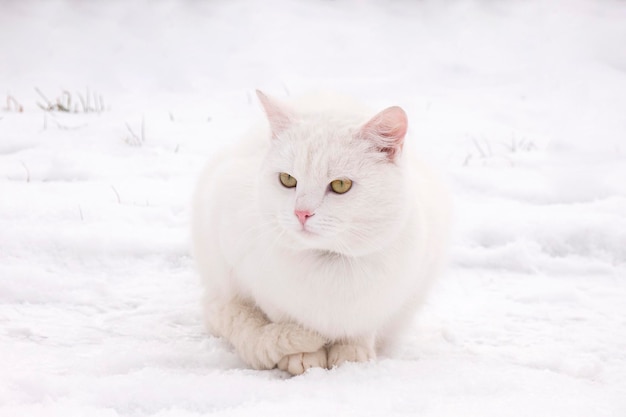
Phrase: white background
(520, 105)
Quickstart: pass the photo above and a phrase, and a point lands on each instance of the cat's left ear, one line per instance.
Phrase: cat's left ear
(277, 114)
(387, 130)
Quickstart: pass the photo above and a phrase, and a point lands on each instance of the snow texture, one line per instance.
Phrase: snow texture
(520, 105)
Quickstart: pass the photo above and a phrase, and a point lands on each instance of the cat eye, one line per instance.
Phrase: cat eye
(341, 186)
(287, 180)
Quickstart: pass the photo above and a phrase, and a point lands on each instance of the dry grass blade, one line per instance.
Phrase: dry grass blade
(65, 102)
(13, 105)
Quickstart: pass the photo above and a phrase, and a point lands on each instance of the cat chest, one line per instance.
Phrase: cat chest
(337, 297)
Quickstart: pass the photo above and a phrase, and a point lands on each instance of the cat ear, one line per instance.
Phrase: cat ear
(387, 129)
(278, 115)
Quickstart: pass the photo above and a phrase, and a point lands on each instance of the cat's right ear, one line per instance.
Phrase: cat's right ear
(279, 117)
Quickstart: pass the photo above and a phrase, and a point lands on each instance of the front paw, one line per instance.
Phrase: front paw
(277, 340)
(349, 352)
(298, 363)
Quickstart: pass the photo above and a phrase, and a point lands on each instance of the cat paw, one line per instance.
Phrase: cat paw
(278, 340)
(346, 352)
(298, 363)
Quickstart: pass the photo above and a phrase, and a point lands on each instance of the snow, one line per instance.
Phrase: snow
(520, 105)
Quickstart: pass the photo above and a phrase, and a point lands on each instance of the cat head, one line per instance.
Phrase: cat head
(333, 180)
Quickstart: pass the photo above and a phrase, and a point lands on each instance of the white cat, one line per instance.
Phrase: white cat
(317, 238)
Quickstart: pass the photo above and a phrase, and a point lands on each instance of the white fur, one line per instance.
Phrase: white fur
(293, 299)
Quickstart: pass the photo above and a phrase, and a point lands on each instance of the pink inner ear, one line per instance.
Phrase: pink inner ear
(387, 129)
(279, 117)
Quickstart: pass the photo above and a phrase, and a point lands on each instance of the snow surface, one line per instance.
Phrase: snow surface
(521, 106)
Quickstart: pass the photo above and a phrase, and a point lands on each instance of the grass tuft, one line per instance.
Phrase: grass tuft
(134, 139)
(12, 105)
(89, 102)
(483, 153)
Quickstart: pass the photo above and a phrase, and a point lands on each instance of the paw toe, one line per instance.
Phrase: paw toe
(298, 363)
(341, 353)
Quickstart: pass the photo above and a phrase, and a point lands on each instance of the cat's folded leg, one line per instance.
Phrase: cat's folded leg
(298, 363)
(351, 350)
(259, 342)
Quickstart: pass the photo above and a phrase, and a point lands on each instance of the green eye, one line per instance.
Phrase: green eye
(287, 180)
(341, 186)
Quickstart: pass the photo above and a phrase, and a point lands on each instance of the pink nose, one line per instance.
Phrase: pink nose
(303, 215)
